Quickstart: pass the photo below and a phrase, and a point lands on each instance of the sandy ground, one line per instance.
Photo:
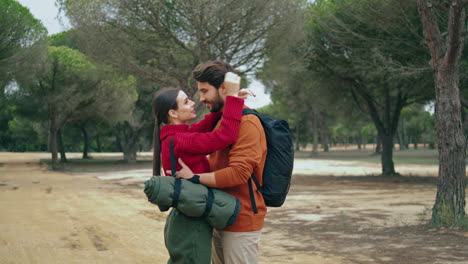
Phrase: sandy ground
(56, 217)
(50, 217)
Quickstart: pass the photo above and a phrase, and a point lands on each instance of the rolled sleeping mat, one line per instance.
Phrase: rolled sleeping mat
(219, 208)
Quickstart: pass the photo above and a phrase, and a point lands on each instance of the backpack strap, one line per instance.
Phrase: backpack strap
(173, 160)
(252, 198)
(251, 192)
(256, 182)
(248, 111)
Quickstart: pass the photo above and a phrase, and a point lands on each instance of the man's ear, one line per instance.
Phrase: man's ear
(222, 89)
(173, 114)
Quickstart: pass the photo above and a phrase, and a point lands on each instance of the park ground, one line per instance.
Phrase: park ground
(337, 211)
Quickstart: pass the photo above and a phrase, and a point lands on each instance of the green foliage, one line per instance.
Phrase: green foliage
(20, 34)
(162, 41)
(69, 87)
(65, 38)
(464, 223)
(78, 88)
(24, 136)
(374, 42)
(276, 109)
(424, 216)
(419, 124)
(70, 61)
(442, 215)
(6, 114)
(369, 130)
(340, 131)
(18, 28)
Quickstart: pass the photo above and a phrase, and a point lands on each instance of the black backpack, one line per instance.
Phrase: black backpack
(278, 164)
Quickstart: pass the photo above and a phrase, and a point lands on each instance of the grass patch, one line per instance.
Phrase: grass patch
(99, 165)
(423, 156)
(425, 216)
(464, 224)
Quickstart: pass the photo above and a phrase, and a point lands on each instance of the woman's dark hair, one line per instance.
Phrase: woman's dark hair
(212, 72)
(163, 101)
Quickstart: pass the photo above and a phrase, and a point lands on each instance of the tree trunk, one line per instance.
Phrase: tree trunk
(401, 135)
(61, 147)
(324, 132)
(465, 125)
(98, 143)
(53, 136)
(386, 124)
(298, 145)
(85, 141)
(404, 132)
(364, 142)
(400, 140)
(359, 140)
(449, 207)
(388, 168)
(118, 144)
(378, 144)
(128, 139)
(130, 151)
(315, 131)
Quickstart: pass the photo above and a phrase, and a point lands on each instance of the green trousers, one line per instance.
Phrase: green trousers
(188, 239)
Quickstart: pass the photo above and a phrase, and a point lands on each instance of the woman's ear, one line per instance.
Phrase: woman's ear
(173, 114)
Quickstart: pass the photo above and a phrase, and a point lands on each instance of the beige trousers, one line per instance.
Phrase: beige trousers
(235, 247)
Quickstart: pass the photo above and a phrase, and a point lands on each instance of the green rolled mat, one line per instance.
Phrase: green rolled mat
(219, 208)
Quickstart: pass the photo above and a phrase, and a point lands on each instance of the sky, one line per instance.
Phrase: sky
(47, 12)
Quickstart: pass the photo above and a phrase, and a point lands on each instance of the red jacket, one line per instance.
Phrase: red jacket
(193, 143)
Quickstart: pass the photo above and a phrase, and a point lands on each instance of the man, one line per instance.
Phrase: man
(232, 168)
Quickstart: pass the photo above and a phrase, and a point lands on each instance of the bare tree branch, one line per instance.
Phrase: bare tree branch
(439, 6)
(456, 24)
(432, 34)
(464, 3)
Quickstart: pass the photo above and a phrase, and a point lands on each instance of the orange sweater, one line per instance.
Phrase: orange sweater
(234, 165)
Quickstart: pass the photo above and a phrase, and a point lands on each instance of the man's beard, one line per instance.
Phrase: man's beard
(217, 104)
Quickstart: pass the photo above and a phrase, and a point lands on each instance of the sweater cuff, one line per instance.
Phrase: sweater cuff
(233, 107)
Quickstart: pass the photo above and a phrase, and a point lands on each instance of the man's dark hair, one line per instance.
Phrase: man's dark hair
(212, 72)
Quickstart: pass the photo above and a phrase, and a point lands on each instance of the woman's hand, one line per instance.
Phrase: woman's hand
(244, 93)
(207, 178)
(231, 84)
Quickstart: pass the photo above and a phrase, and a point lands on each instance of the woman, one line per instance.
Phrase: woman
(188, 239)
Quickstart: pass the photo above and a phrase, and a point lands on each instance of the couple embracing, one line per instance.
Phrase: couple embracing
(236, 146)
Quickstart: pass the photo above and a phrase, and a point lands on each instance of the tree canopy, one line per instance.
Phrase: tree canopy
(368, 53)
(19, 32)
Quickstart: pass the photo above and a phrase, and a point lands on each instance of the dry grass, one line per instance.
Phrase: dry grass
(352, 153)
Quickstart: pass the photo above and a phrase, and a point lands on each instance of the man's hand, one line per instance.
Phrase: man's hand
(207, 178)
(185, 172)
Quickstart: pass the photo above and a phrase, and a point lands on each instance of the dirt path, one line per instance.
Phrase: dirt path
(52, 217)
(49, 217)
